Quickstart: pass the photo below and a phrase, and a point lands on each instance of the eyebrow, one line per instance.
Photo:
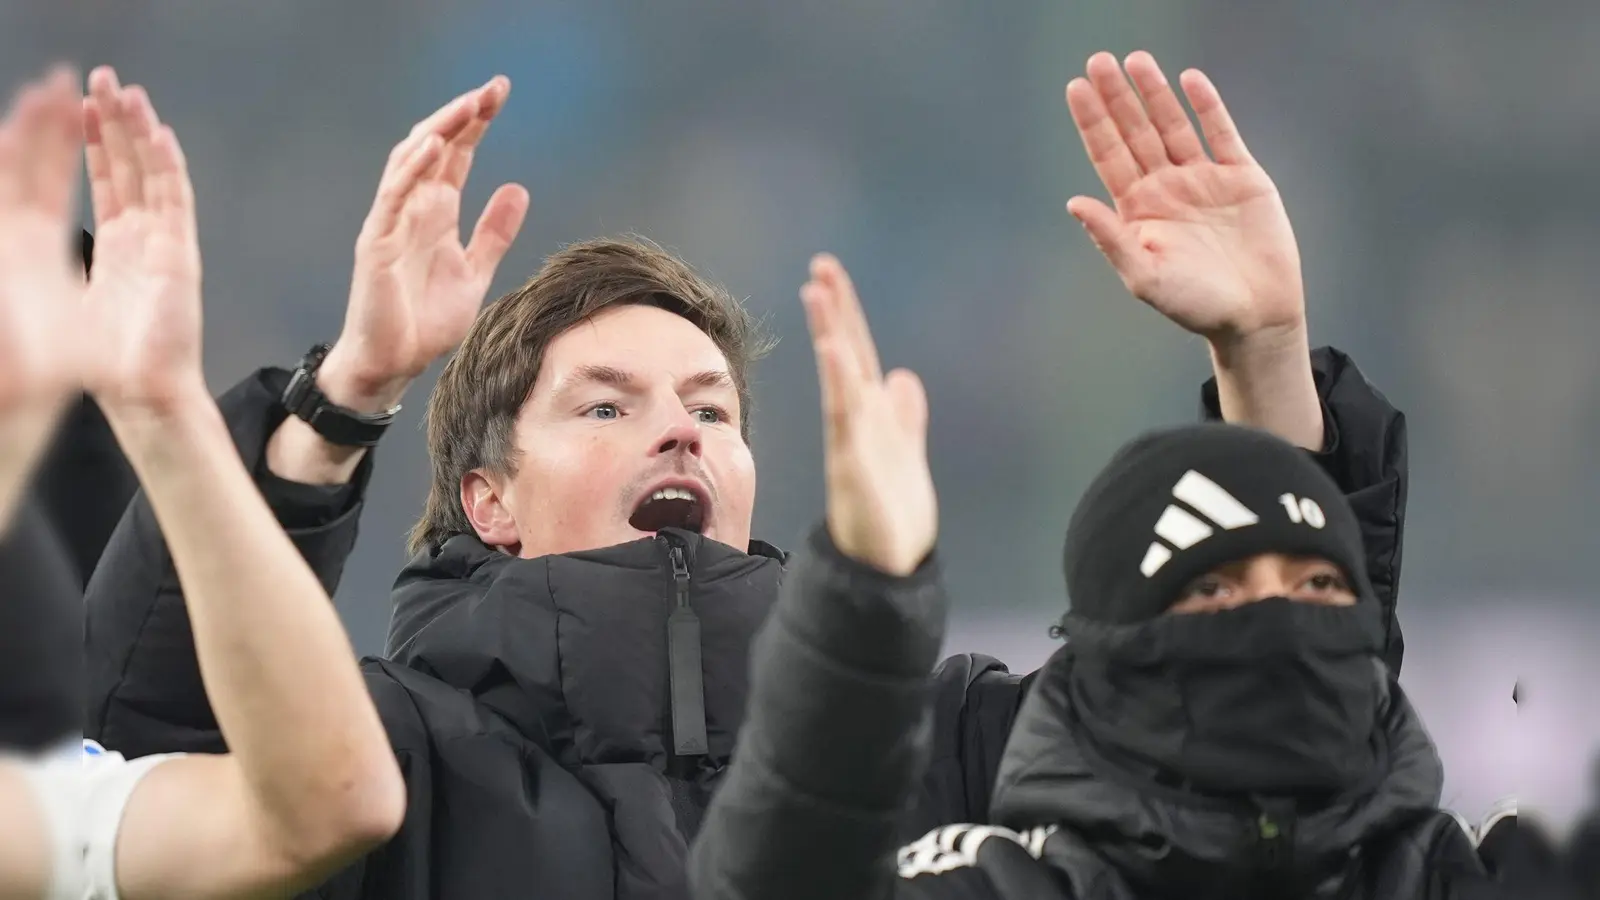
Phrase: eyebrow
(611, 376)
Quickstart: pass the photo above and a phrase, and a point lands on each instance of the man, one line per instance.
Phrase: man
(308, 785)
(569, 647)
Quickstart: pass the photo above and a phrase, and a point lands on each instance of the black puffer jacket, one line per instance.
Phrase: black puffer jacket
(1119, 835)
(626, 665)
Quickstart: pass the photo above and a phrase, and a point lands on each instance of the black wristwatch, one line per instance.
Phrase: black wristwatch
(337, 424)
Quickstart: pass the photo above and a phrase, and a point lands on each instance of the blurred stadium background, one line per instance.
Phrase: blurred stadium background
(1436, 157)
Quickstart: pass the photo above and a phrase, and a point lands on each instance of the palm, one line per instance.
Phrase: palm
(1221, 247)
(420, 298)
(1204, 241)
(879, 488)
(142, 309)
(36, 294)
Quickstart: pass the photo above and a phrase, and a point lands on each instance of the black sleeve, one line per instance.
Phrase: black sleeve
(835, 738)
(84, 485)
(41, 617)
(143, 692)
(1365, 452)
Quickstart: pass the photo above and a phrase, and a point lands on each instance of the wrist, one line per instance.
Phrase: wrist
(346, 382)
(185, 420)
(186, 403)
(1262, 348)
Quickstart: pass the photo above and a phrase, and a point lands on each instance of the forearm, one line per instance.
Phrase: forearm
(276, 663)
(24, 845)
(297, 453)
(24, 436)
(1265, 381)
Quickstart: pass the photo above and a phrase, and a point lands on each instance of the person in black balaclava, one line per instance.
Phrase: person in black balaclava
(1219, 723)
(1218, 726)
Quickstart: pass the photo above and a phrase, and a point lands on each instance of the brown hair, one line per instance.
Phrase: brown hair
(472, 414)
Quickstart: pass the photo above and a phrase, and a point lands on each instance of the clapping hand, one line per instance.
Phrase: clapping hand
(416, 288)
(141, 315)
(882, 510)
(41, 140)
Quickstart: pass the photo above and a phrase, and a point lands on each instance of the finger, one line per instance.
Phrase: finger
(11, 178)
(835, 374)
(102, 193)
(1223, 136)
(496, 229)
(1165, 110)
(456, 162)
(852, 320)
(396, 187)
(1128, 112)
(55, 171)
(909, 399)
(445, 123)
(1108, 152)
(124, 166)
(139, 118)
(30, 121)
(170, 185)
(1113, 238)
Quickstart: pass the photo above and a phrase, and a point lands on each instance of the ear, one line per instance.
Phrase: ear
(484, 501)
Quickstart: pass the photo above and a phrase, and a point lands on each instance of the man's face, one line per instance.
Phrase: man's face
(633, 404)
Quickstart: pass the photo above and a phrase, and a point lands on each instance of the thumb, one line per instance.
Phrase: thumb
(909, 399)
(1111, 237)
(497, 228)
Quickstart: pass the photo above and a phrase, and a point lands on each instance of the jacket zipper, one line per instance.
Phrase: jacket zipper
(685, 681)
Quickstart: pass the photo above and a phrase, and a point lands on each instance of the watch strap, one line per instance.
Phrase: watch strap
(336, 424)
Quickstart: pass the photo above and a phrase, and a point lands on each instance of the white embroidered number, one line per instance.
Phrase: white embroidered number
(1303, 509)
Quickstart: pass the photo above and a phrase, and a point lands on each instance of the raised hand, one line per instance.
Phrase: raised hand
(141, 313)
(882, 510)
(416, 288)
(1203, 239)
(40, 281)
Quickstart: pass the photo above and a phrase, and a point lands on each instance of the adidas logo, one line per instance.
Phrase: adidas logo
(1182, 529)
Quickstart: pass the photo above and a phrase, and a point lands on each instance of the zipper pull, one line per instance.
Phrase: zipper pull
(680, 575)
(684, 666)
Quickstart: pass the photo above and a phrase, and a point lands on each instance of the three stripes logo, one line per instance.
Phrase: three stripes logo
(1214, 507)
(1182, 529)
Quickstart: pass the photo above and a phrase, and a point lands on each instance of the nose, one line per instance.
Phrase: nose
(682, 435)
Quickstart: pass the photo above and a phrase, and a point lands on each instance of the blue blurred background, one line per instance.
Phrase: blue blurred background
(1436, 159)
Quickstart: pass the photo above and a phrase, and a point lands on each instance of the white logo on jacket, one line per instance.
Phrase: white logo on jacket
(956, 847)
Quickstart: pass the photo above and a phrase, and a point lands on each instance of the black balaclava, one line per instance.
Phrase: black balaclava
(1277, 697)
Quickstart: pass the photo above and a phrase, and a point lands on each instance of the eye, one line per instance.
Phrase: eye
(1326, 582)
(604, 412)
(1207, 586)
(710, 415)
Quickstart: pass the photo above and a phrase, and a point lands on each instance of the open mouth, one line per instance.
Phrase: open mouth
(670, 507)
